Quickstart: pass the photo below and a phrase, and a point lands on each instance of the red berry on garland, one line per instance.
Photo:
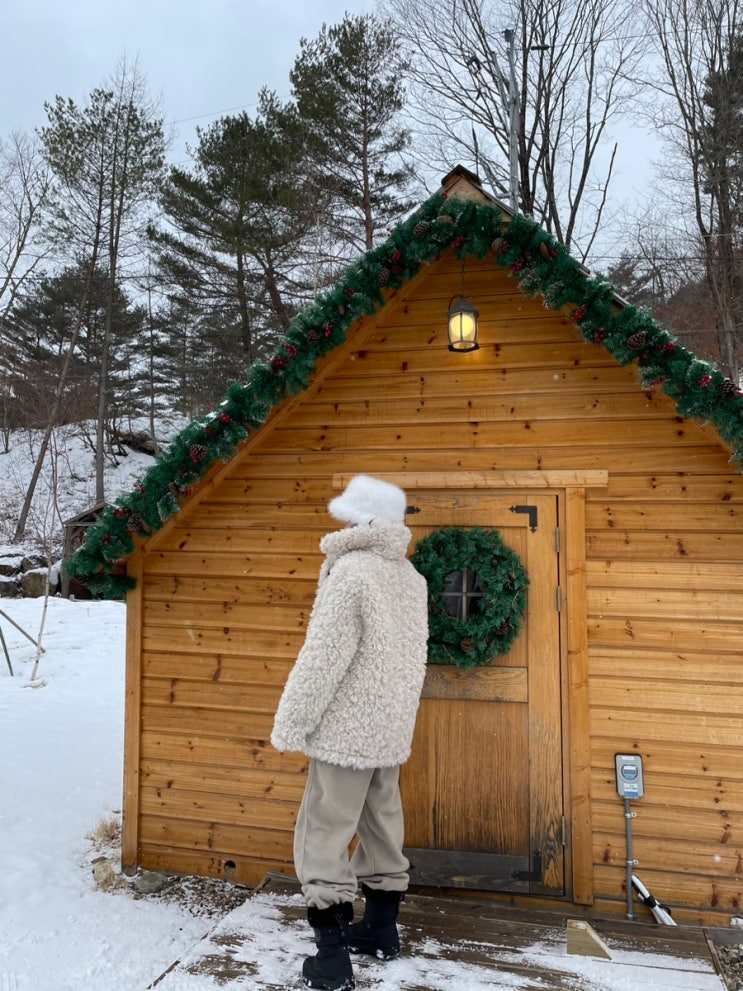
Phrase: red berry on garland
(669, 347)
(658, 381)
(458, 241)
(291, 350)
(120, 513)
(579, 313)
(599, 336)
(328, 329)
(704, 381)
(277, 364)
(224, 418)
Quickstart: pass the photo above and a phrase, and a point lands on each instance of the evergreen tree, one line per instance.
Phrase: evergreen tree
(107, 159)
(236, 227)
(350, 97)
(45, 320)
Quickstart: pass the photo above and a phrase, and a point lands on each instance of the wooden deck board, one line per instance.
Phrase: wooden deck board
(449, 943)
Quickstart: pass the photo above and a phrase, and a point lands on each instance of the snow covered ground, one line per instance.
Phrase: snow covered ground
(60, 777)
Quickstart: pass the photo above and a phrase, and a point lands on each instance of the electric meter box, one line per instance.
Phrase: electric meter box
(629, 775)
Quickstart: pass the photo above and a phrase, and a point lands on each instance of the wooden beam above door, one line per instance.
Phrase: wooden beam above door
(573, 478)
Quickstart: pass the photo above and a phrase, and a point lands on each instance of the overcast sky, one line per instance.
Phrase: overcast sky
(201, 58)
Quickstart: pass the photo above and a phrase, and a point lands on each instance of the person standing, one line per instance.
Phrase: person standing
(350, 704)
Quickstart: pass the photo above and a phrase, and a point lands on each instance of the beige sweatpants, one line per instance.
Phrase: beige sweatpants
(338, 803)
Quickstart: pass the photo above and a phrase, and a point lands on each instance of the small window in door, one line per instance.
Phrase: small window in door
(462, 593)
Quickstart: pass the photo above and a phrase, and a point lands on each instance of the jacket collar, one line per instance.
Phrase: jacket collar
(390, 540)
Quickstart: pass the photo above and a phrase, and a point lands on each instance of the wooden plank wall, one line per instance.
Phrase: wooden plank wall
(227, 590)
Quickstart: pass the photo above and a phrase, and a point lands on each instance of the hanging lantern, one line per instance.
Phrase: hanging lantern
(463, 327)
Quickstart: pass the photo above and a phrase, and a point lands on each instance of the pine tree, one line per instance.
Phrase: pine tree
(107, 158)
(235, 228)
(45, 319)
(350, 97)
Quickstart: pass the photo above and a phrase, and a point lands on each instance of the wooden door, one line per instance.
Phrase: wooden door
(483, 789)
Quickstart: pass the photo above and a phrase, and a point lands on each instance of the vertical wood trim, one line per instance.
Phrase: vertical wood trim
(577, 643)
(132, 717)
(545, 716)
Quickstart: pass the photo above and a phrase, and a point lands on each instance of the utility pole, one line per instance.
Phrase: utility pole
(512, 108)
(513, 113)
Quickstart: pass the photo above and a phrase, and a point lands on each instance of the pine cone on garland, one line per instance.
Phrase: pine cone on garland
(637, 341)
(445, 218)
(136, 524)
(499, 246)
(313, 337)
(728, 389)
(422, 228)
(384, 276)
(197, 452)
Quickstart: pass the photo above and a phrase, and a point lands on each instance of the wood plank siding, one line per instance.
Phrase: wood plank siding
(652, 656)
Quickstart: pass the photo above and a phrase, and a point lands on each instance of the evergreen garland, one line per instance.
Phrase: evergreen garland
(542, 266)
(492, 628)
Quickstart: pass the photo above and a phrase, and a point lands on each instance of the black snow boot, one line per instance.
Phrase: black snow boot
(377, 932)
(330, 969)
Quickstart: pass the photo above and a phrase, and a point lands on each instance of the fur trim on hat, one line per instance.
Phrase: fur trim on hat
(366, 499)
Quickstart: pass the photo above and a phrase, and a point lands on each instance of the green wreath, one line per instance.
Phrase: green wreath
(492, 627)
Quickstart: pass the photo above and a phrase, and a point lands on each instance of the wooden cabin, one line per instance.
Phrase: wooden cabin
(614, 485)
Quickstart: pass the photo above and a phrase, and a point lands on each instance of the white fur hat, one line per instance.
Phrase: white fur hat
(366, 499)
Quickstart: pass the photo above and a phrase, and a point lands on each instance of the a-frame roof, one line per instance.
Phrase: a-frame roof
(460, 217)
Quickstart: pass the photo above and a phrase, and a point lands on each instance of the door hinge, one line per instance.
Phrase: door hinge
(531, 512)
(564, 832)
(559, 598)
(557, 539)
(535, 874)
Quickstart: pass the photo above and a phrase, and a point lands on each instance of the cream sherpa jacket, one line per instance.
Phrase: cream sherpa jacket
(353, 694)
